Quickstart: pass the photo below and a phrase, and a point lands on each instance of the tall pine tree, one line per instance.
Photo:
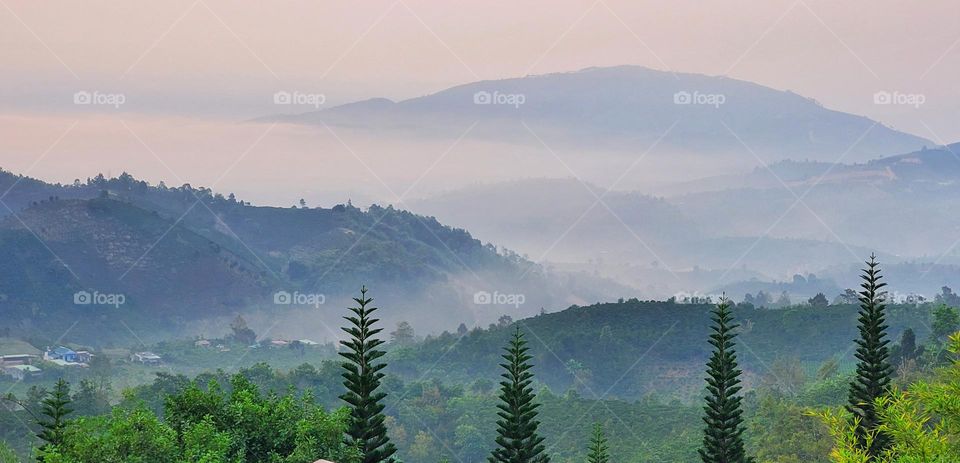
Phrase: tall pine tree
(517, 438)
(362, 378)
(599, 452)
(722, 436)
(54, 410)
(873, 367)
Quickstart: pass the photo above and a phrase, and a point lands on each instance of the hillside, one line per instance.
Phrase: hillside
(153, 244)
(58, 249)
(635, 348)
(914, 189)
(927, 168)
(660, 245)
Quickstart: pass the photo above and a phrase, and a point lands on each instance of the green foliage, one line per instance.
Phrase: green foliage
(218, 418)
(211, 425)
(55, 408)
(241, 332)
(722, 439)
(404, 335)
(599, 451)
(93, 398)
(819, 301)
(922, 424)
(780, 432)
(362, 379)
(873, 369)
(259, 429)
(517, 439)
(126, 436)
(945, 322)
(7, 455)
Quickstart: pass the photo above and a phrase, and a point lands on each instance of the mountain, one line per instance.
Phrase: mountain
(628, 108)
(662, 246)
(107, 246)
(931, 168)
(894, 204)
(736, 232)
(177, 256)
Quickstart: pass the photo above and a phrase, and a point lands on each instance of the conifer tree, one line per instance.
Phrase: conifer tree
(873, 367)
(362, 378)
(54, 410)
(599, 452)
(722, 436)
(517, 438)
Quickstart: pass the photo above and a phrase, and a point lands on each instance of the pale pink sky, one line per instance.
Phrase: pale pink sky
(222, 60)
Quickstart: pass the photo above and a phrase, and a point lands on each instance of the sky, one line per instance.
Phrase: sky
(176, 80)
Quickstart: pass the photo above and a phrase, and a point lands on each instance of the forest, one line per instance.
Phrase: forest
(896, 403)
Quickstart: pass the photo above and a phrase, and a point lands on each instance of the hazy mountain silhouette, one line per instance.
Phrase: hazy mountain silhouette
(628, 108)
(155, 244)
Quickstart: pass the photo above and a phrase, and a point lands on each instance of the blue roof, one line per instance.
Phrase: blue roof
(60, 350)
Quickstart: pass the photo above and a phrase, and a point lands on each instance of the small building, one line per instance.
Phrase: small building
(146, 358)
(279, 343)
(61, 353)
(22, 372)
(202, 343)
(84, 356)
(16, 359)
(308, 342)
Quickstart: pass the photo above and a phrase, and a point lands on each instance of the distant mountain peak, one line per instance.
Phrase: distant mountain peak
(621, 108)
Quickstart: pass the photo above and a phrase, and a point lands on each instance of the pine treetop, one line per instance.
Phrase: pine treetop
(599, 451)
(362, 377)
(54, 410)
(517, 438)
(722, 439)
(873, 367)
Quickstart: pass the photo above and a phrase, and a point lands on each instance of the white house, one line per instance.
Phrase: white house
(22, 372)
(146, 358)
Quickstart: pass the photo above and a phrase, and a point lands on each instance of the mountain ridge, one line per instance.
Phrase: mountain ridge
(625, 107)
(232, 257)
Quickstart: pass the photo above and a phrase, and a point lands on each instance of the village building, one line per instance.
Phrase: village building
(21, 372)
(67, 357)
(17, 359)
(146, 358)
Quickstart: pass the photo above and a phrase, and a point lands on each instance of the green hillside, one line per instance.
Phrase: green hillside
(180, 254)
(636, 348)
